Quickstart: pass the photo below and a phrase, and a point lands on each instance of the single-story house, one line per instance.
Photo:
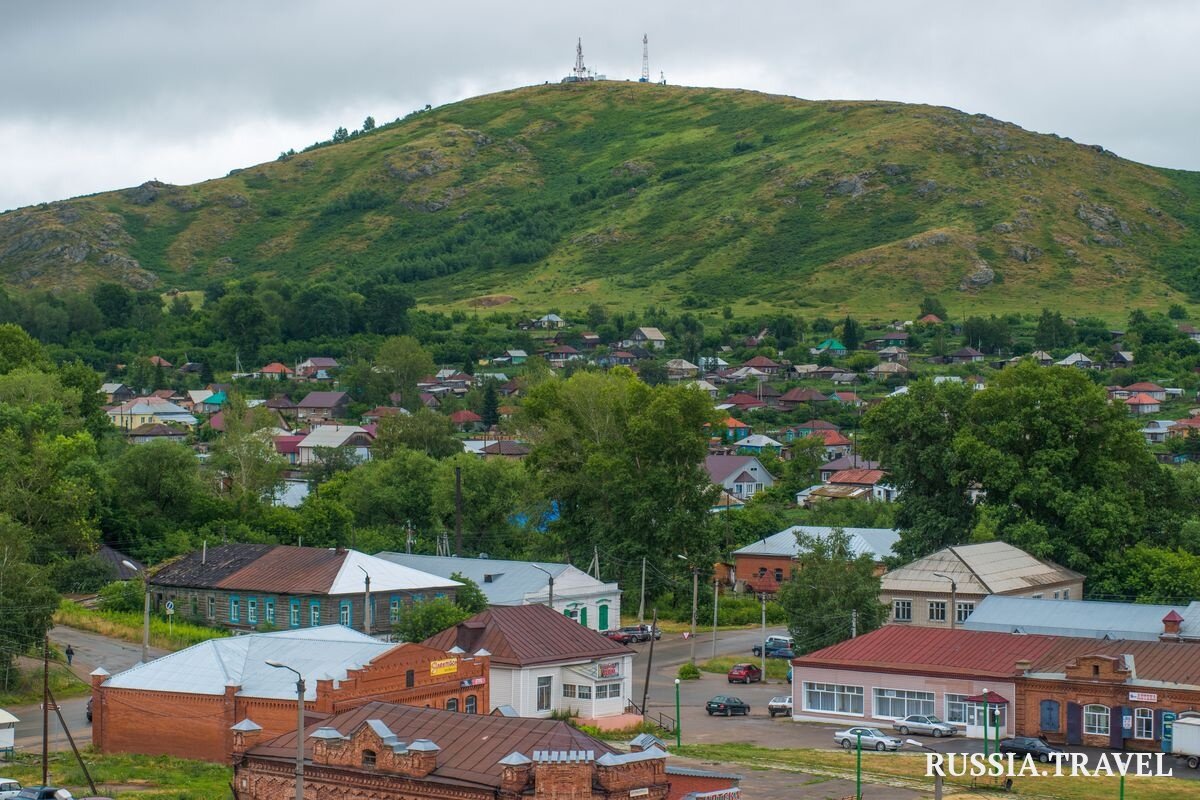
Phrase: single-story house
(505, 448)
(1156, 431)
(1077, 360)
(544, 662)
(324, 405)
(680, 369)
(965, 355)
(1141, 404)
(646, 337)
(316, 366)
(150, 410)
(592, 603)
(758, 442)
(741, 476)
(116, 393)
(1146, 387)
(887, 370)
(852, 461)
(920, 593)
(764, 364)
(350, 437)
(763, 565)
(275, 371)
(466, 420)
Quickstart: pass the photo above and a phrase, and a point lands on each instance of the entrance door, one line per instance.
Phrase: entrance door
(1074, 723)
(602, 624)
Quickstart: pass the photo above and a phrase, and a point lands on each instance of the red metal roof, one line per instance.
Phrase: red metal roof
(1141, 399)
(936, 651)
(801, 395)
(1144, 386)
(466, 415)
(830, 438)
(760, 362)
(862, 477)
(275, 368)
(525, 635)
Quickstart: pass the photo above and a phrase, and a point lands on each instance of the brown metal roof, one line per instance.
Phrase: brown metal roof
(322, 399)
(526, 635)
(1167, 662)
(255, 567)
(471, 745)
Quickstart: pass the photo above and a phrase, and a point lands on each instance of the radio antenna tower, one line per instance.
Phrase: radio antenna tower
(645, 59)
(580, 70)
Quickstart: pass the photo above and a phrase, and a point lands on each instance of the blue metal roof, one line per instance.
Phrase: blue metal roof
(1089, 619)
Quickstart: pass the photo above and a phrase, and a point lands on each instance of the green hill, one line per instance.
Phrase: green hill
(626, 194)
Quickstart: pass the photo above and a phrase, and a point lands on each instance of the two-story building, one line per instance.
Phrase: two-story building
(764, 565)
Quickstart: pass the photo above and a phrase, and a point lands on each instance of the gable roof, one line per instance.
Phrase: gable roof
(857, 476)
(471, 746)
(985, 568)
(875, 542)
(506, 447)
(528, 635)
(761, 362)
(276, 368)
(800, 394)
(283, 569)
(651, 334)
(506, 582)
(830, 438)
(854, 461)
(1142, 399)
(331, 435)
(465, 415)
(156, 429)
(323, 399)
(758, 440)
(1144, 386)
(210, 666)
(719, 468)
(321, 361)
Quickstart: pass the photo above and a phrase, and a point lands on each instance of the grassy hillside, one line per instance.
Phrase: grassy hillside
(626, 194)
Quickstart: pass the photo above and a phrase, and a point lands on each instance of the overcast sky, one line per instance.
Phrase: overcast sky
(103, 95)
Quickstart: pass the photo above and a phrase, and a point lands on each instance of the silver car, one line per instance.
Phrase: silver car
(927, 724)
(872, 739)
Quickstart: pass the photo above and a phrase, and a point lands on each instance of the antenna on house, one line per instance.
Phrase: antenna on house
(645, 60)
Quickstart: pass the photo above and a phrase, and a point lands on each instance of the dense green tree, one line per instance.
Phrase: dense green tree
(852, 333)
(19, 349)
(489, 404)
(392, 491)
(990, 335)
(623, 460)
(385, 309)
(115, 303)
(931, 305)
(424, 431)
(244, 321)
(1052, 331)
(245, 455)
(368, 124)
(406, 362)
(469, 597)
(29, 603)
(428, 618)
(833, 590)
(492, 490)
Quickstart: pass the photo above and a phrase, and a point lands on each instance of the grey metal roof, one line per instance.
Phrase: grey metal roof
(510, 583)
(875, 542)
(1089, 619)
(986, 568)
(208, 667)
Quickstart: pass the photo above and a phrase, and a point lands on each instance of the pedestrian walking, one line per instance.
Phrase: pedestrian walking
(70, 654)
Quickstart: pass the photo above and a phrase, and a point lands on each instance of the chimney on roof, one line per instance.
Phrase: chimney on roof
(1171, 625)
(468, 635)
(1023, 666)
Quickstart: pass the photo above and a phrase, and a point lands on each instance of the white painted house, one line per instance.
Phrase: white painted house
(543, 662)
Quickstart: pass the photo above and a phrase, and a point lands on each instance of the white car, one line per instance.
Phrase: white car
(872, 739)
(780, 705)
(9, 788)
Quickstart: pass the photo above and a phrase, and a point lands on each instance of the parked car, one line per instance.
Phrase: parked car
(9, 788)
(872, 739)
(772, 643)
(782, 652)
(745, 673)
(927, 724)
(1029, 746)
(42, 793)
(621, 635)
(637, 633)
(727, 705)
(780, 705)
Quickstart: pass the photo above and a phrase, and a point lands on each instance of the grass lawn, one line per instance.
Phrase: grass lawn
(776, 667)
(908, 770)
(128, 627)
(123, 775)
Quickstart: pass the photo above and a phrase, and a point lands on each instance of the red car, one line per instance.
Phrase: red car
(744, 673)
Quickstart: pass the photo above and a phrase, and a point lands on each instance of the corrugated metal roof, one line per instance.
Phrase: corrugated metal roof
(472, 746)
(721, 467)
(511, 582)
(1078, 618)
(322, 399)
(527, 635)
(875, 542)
(330, 435)
(986, 568)
(208, 667)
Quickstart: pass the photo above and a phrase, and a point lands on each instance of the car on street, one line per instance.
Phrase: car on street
(9, 788)
(927, 724)
(634, 633)
(872, 739)
(774, 642)
(780, 705)
(41, 793)
(745, 673)
(727, 705)
(782, 652)
(1030, 746)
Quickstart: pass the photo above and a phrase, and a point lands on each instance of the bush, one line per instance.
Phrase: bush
(81, 575)
(688, 672)
(128, 596)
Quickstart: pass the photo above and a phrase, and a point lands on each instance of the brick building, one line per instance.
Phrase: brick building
(402, 752)
(191, 703)
(764, 565)
(249, 587)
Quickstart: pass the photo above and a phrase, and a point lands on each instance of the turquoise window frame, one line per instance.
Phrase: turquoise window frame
(395, 609)
(235, 608)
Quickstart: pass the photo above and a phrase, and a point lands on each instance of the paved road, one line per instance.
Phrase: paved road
(91, 650)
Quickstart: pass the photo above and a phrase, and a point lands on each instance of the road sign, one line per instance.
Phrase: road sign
(170, 607)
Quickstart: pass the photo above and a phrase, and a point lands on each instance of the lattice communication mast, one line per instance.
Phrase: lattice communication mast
(645, 60)
(580, 70)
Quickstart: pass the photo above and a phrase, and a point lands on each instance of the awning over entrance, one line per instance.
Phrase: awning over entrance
(989, 697)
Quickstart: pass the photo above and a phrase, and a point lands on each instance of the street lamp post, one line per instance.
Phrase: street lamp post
(937, 771)
(678, 718)
(368, 622)
(551, 577)
(986, 733)
(858, 766)
(953, 598)
(299, 727)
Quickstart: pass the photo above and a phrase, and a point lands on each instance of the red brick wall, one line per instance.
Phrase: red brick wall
(682, 785)
(746, 569)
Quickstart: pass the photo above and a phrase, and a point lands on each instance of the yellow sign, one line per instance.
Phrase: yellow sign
(443, 666)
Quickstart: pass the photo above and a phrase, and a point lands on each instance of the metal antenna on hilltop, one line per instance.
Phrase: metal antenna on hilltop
(580, 70)
(645, 59)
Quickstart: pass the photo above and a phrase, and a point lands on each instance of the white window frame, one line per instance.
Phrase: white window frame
(314, 615)
(896, 609)
(583, 691)
(344, 615)
(839, 692)
(568, 690)
(1096, 723)
(1146, 716)
(938, 605)
(962, 611)
(914, 702)
(252, 611)
(544, 682)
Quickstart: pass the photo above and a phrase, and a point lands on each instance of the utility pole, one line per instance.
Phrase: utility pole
(649, 662)
(642, 602)
(716, 599)
(46, 711)
(458, 511)
(146, 628)
(71, 741)
(695, 601)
